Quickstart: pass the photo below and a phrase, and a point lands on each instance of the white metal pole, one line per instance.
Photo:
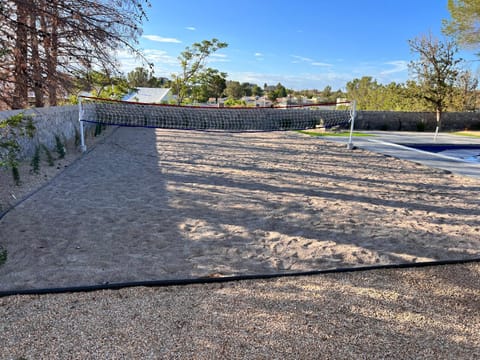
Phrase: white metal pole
(83, 147)
(352, 121)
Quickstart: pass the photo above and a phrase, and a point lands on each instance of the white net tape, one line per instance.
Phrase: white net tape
(209, 118)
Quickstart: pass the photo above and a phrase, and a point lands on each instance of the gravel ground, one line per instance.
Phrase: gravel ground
(423, 313)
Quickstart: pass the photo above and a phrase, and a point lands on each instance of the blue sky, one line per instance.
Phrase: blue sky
(303, 44)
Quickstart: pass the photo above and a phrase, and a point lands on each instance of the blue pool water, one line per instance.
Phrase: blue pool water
(470, 153)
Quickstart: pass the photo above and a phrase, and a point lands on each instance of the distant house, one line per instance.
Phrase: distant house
(263, 101)
(289, 100)
(219, 102)
(150, 95)
(250, 100)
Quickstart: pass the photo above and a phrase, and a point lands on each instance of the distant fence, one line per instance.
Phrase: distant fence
(62, 121)
(415, 121)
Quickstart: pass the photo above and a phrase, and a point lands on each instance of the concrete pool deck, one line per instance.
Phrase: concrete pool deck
(391, 143)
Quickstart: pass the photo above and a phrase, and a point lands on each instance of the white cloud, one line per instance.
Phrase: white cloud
(164, 64)
(316, 63)
(384, 72)
(299, 59)
(160, 56)
(191, 28)
(303, 59)
(398, 66)
(259, 56)
(161, 39)
(218, 57)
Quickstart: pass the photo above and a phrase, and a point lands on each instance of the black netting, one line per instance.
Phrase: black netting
(202, 118)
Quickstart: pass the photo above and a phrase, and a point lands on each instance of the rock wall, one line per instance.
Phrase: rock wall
(416, 121)
(61, 121)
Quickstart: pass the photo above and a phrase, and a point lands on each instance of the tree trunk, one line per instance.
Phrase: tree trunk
(36, 62)
(439, 118)
(53, 58)
(20, 54)
(50, 44)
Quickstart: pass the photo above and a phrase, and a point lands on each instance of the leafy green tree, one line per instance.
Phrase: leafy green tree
(391, 95)
(140, 77)
(246, 89)
(465, 95)
(410, 101)
(327, 92)
(198, 93)
(234, 90)
(158, 82)
(230, 102)
(279, 92)
(366, 92)
(257, 90)
(213, 83)
(192, 62)
(405, 97)
(400, 97)
(436, 70)
(101, 84)
(464, 24)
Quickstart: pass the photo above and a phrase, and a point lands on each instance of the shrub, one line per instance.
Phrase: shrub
(420, 126)
(77, 137)
(16, 175)
(11, 129)
(35, 163)
(3, 256)
(475, 126)
(59, 147)
(49, 156)
(99, 128)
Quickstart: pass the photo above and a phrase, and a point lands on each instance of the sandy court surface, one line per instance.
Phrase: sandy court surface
(155, 204)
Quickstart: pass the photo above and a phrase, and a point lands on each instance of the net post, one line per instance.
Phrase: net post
(83, 147)
(353, 113)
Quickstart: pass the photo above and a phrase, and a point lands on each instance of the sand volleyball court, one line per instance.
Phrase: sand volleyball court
(150, 204)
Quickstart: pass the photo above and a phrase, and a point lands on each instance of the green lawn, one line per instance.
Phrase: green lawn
(475, 134)
(341, 133)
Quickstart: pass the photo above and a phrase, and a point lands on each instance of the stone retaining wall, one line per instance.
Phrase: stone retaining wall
(61, 121)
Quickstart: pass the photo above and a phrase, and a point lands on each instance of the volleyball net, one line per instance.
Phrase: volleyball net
(209, 118)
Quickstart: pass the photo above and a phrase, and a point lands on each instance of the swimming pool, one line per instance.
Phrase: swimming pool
(464, 152)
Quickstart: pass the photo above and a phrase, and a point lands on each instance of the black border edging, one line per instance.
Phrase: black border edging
(216, 280)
